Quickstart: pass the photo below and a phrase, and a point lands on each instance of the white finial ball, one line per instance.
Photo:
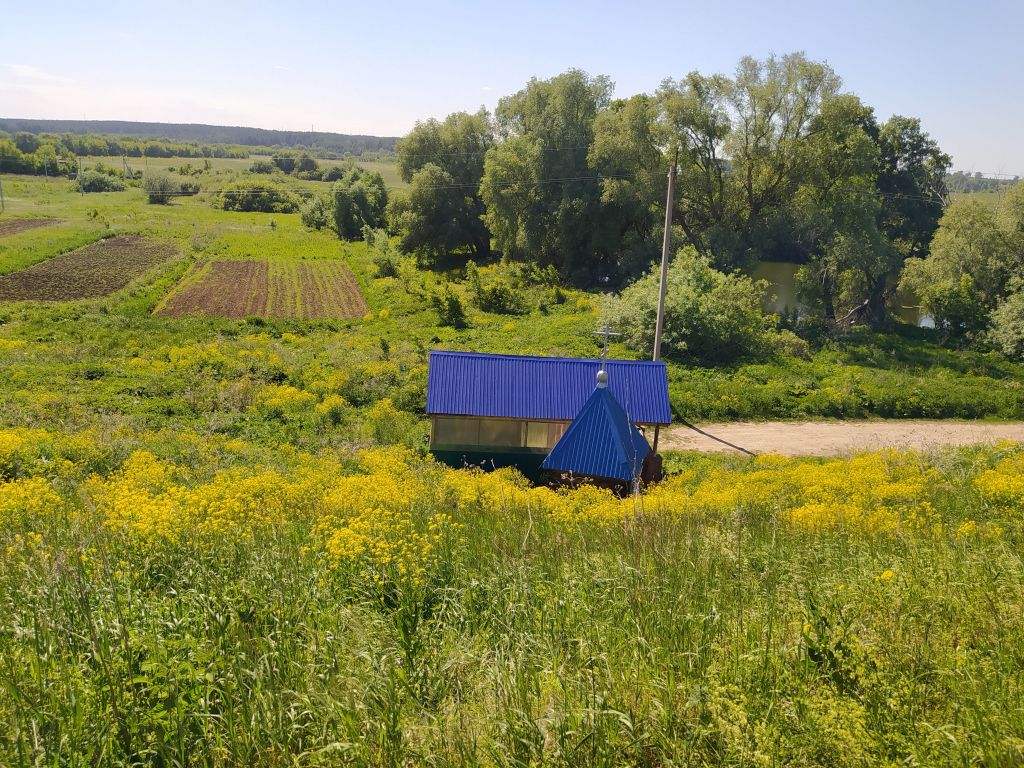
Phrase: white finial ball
(602, 377)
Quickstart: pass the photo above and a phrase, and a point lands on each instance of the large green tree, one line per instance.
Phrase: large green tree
(974, 262)
(543, 197)
(835, 210)
(911, 180)
(628, 153)
(742, 146)
(444, 163)
(357, 200)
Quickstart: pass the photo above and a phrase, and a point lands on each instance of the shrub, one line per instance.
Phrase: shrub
(358, 200)
(501, 299)
(160, 186)
(390, 426)
(262, 166)
(306, 168)
(385, 255)
(1007, 332)
(95, 181)
(334, 173)
(710, 316)
(449, 307)
(285, 162)
(253, 195)
(316, 214)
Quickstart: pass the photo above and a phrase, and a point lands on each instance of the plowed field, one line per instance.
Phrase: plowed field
(14, 226)
(268, 289)
(96, 270)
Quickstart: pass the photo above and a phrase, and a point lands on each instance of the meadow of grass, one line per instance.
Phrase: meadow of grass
(178, 598)
(206, 557)
(386, 168)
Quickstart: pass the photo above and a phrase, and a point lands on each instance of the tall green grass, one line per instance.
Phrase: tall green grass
(729, 638)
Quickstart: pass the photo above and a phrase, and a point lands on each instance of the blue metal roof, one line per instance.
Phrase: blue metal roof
(600, 442)
(519, 387)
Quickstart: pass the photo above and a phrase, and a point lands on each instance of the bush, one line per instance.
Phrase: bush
(160, 186)
(285, 162)
(710, 316)
(316, 214)
(95, 181)
(257, 196)
(334, 173)
(306, 168)
(262, 166)
(449, 307)
(1007, 332)
(501, 299)
(385, 255)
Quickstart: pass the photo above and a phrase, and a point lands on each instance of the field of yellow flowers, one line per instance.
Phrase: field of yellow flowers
(170, 598)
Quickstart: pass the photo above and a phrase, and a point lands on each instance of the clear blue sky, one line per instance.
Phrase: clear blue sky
(377, 67)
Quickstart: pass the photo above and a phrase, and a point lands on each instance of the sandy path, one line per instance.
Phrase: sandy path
(831, 438)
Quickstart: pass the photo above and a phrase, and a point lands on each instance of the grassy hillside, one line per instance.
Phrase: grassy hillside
(193, 600)
(221, 542)
(208, 134)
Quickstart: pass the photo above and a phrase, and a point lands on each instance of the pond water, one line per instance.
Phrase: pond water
(782, 294)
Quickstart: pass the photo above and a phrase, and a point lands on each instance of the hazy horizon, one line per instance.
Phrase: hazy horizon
(377, 70)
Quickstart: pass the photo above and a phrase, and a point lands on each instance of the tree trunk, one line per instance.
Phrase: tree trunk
(875, 310)
(827, 299)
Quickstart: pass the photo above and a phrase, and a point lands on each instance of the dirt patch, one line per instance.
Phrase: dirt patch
(822, 438)
(255, 288)
(96, 270)
(14, 226)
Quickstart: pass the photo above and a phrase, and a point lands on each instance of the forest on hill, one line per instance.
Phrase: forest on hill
(197, 133)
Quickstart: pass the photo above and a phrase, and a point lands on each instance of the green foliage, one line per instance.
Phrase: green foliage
(358, 200)
(1007, 332)
(254, 195)
(262, 165)
(444, 162)
(96, 181)
(709, 316)
(161, 186)
(501, 298)
(116, 138)
(551, 124)
(525, 640)
(386, 257)
(966, 183)
(316, 213)
(866, 376)
(335, 172)
(284, 163)
(449, 307)
(912, 180)
(429, 216)
(307, 168)
(974, 257)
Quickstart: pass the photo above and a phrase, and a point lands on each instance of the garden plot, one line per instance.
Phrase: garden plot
(266, 288)
(14, 226)
(96, 270)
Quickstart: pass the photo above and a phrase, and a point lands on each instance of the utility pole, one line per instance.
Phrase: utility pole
(3, 205)
(81, 186)
(665, 245)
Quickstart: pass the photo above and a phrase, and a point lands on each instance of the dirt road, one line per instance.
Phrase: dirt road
(832, 438)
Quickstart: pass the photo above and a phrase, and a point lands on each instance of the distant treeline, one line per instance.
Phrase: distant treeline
(193, 134)
(976, 182)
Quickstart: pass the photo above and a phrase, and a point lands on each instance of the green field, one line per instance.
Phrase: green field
(222, 543)
(387, 169)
